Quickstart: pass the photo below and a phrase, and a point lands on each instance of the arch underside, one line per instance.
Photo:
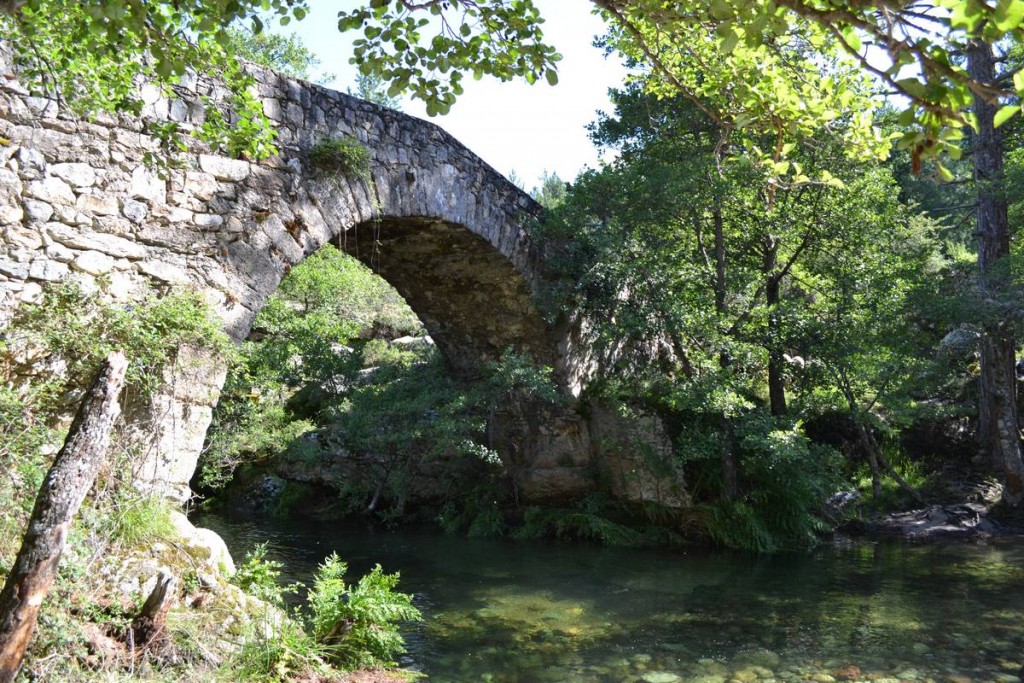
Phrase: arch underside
(472, 301)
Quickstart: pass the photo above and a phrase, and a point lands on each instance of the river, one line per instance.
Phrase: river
(535, 612)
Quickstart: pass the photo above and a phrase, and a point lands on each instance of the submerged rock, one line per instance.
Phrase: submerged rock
(757, 657)
(661, 677)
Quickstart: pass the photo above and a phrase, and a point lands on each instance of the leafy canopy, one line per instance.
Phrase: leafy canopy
(500, 38)
(911, 49)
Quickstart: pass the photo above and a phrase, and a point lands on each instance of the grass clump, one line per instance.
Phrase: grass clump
(140, 519)
(343, 155)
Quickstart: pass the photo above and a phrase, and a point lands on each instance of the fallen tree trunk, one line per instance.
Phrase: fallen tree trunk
(66, 484)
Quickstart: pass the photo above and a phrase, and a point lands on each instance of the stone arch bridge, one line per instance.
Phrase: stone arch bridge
(448, 232)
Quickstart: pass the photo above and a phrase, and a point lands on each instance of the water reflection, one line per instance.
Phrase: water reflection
(535, 612)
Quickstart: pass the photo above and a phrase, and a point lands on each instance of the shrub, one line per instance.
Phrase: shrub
(784, 480)
(359, 624)
(71, 331)
(260, 577)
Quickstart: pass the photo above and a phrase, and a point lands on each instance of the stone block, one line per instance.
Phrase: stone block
(11, 211)
(272, 108)
(207, 221)
(93, 262)
(74, 174)
(201, 185)
(18, 271)
(25, 238)
(42, 107)
(98, 204)
(224, 168)
(97, 241)
(48, 270)
(146, 184)
(172, 214)
(167, 272)
(37, 210)
(31, 293)
(51, 190)
(178, 110)
(58, 252)
(134, 211)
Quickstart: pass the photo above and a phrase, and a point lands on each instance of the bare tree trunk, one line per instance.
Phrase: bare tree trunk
(875, 456)
(776, 363)
(70, 477)
(997, 407)
(721, 284)
(730, 463)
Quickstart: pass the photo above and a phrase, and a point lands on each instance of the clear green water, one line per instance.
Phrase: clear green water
(516, 612)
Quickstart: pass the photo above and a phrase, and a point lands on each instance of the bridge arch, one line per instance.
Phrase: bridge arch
(446, 230)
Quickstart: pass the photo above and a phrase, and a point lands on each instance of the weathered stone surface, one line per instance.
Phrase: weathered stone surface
(134, 211)
(11, 210)
(38, 211)
(636, 456)
(18, 271)
(217, 549)
(167, 272)
(46, 269)
(25, 238)
(168, 427)
(98, 204)
(201, 185)
(146, 184)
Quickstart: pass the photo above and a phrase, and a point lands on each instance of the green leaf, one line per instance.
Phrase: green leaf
(852, 39)
(944, 173)
(729, 42)
(1008, 14)
(721, 10)
(907, 117)
(912, 87)
(1006, 113)
(552, 76)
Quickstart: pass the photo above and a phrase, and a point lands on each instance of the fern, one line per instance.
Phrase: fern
(359, 624)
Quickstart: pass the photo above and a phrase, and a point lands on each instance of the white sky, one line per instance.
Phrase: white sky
(512, 126)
